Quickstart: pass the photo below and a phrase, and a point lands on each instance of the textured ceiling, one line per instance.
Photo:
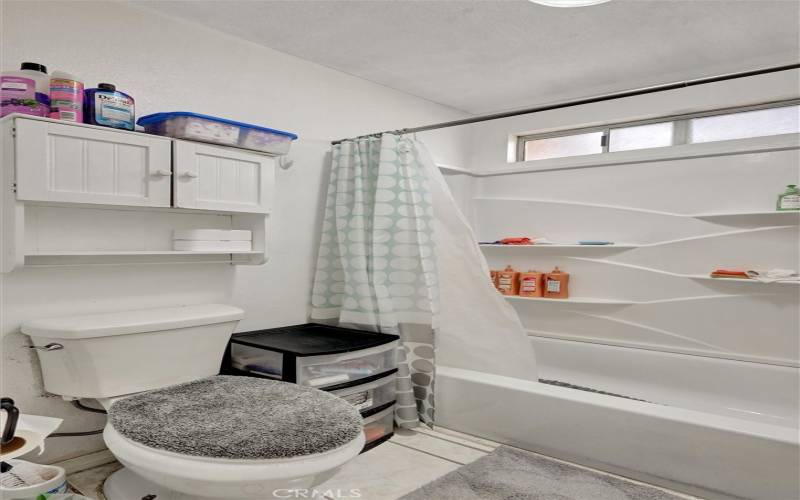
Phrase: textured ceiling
(483, 56)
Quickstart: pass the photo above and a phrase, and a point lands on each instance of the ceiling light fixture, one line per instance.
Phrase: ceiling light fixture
(569, 3)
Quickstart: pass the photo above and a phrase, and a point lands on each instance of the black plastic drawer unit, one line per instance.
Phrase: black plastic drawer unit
(357, 366)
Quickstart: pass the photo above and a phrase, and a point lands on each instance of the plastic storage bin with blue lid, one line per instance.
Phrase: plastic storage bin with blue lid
(205, 128)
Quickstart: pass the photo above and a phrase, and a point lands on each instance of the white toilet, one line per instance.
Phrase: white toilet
(111, 357)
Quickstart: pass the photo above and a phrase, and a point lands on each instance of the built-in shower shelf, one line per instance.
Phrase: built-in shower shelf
(768, 217)
(452, 169)
(741, 280)
(573, 300)
(615, 246)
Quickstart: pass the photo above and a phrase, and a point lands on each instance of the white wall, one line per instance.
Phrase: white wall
(170, 65)
(651, 203)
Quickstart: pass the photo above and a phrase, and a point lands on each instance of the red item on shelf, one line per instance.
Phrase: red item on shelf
(729, 273)
(516, 241)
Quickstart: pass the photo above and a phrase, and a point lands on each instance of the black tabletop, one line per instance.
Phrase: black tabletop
(313, 339)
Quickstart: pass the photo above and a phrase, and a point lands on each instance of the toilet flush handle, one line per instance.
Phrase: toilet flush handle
(47, 347)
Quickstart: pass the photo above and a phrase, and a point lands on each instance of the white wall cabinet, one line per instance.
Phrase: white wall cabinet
(57, 162)
(217, 178)
(76, 194)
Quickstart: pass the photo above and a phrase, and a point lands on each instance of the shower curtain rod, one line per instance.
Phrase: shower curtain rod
(584, 100)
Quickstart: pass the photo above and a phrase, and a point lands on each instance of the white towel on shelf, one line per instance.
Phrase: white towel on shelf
(774, 275)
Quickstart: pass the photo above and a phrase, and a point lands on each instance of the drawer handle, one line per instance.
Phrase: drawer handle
(162, 173)
(190, 175)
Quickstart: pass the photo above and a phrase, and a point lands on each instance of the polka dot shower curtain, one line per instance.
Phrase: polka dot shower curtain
(376, 267)
(397, 256)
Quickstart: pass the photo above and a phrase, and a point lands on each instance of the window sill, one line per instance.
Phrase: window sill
(683, 151)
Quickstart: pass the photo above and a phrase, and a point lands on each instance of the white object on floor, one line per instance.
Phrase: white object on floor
(774, 275)
(27, 480)
(112, 356)
(33, 429)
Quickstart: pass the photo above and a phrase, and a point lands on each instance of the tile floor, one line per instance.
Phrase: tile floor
(401, 465)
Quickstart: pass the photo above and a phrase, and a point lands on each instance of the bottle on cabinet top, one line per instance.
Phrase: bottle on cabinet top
(25, 91)
(556, 284)
(66, 97)
(108, 107)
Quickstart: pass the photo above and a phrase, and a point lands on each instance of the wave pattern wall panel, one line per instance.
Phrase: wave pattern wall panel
(762, 248)
(657, 206)
(562, 221)
(736, 183)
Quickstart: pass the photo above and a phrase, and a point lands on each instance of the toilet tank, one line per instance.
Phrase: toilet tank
(114, 354)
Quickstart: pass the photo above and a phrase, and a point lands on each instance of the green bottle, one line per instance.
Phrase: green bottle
(789, 199)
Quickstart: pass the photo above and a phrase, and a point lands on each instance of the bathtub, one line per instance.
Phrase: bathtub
(713, 428)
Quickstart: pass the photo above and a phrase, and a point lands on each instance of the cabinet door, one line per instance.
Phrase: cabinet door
(78, 164)
(216, 178)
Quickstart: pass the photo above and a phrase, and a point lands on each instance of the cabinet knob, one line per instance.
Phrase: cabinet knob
(190, 175)
(162, 173)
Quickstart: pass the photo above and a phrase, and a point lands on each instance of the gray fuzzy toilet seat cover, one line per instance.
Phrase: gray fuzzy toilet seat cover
(237, 418)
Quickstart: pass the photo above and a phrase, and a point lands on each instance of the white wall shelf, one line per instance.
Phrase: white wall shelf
(773, 217)
(128, 258)
(573, 300)
(112, 253)
(453, 170)
(742, 280)
(76, 194)
(615, 246)
(731, 147)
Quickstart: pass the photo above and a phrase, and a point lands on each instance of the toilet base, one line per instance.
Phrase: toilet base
(127, 485)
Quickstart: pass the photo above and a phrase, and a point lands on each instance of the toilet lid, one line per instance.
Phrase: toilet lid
(237, 418)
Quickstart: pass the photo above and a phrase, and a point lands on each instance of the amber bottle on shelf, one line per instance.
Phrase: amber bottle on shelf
(531, 284)
(556, 284)
(508, 281)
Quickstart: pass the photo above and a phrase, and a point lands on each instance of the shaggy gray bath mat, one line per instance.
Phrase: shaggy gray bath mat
(513, 474)
(237, 417)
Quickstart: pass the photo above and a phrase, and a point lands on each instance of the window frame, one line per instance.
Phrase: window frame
(681, 130)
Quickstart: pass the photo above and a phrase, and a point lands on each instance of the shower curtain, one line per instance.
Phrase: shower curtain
(391, 237)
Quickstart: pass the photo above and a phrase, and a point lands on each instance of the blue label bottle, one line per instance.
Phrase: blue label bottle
(108, 107)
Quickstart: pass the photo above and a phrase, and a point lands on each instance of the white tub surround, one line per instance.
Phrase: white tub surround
(702, 453)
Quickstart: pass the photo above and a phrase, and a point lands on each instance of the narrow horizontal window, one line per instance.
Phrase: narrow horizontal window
(760, 123)
(674, 130)
(565, 145)
(654, 135)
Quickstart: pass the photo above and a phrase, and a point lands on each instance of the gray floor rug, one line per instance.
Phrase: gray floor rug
(513, 474)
